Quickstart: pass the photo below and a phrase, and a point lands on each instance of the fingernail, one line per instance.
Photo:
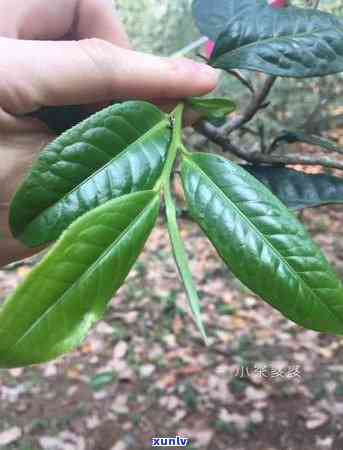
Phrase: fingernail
(207, 72)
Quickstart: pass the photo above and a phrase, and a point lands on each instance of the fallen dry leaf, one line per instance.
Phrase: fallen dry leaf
(9, 436)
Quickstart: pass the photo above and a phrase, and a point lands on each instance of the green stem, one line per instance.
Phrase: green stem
(184, 150)
(179, 250)
(181, 260)
(175, 145)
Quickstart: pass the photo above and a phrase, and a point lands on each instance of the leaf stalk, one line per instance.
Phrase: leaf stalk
(176, 143)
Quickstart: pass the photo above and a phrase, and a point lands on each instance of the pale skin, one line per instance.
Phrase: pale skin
(65, 52)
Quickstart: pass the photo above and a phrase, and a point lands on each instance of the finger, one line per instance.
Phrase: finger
(99, 19)
(12, 250)
(21, 141)
(62, 73)
(52, 20)
(36, 19)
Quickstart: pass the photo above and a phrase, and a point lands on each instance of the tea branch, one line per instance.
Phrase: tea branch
(220, 138)
(257, 103)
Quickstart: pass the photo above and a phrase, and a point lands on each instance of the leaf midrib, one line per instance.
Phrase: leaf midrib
(160, 125)
(263, 237)
(88, 271)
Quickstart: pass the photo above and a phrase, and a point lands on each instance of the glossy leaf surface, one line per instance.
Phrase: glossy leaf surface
(121, 149)
(53, 309)
(212, 108)
(299, 190)
(262, 242)
(286, 42)
(212, 16)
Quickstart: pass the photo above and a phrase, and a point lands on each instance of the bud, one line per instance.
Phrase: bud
(208, 49)
(277, 3)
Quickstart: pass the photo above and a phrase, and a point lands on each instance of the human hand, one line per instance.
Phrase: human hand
(64, 53)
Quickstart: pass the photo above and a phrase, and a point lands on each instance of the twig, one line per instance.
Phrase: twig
(317, 141)
(239, 76)
(193, 46)
(249, 130)
(257, 103)
(313, 3)
(218, 138)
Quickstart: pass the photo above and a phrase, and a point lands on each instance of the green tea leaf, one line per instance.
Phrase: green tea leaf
(299, 190)
(53, 309)
(212, 108)
(212, 16)
(181, 260)
(121, 149)
(286, 42)
(262, 242)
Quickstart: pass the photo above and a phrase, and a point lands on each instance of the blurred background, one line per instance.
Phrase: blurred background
(263, 383)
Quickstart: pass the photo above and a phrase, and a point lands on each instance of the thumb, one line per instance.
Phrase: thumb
(92, 70)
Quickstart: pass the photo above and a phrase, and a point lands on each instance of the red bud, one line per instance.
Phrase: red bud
(208, 48)
(277, 3)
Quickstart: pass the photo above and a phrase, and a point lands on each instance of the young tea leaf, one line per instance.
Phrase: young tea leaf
(121, 149)
(212, 108)
(53, 309)
(181, 260)
(286, 42)
(299, 190)
(262, 242)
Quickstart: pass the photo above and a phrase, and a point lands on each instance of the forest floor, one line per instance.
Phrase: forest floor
(262, 384)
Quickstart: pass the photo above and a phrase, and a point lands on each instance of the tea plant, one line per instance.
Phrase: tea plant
(97, 191)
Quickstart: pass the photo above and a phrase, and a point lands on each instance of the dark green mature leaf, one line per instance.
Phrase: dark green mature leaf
(121, 149)
(299, 190)
(52, 310)
(212, 108)
(292, 136)
(286, 42)
(212, 16)
(263, 243)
